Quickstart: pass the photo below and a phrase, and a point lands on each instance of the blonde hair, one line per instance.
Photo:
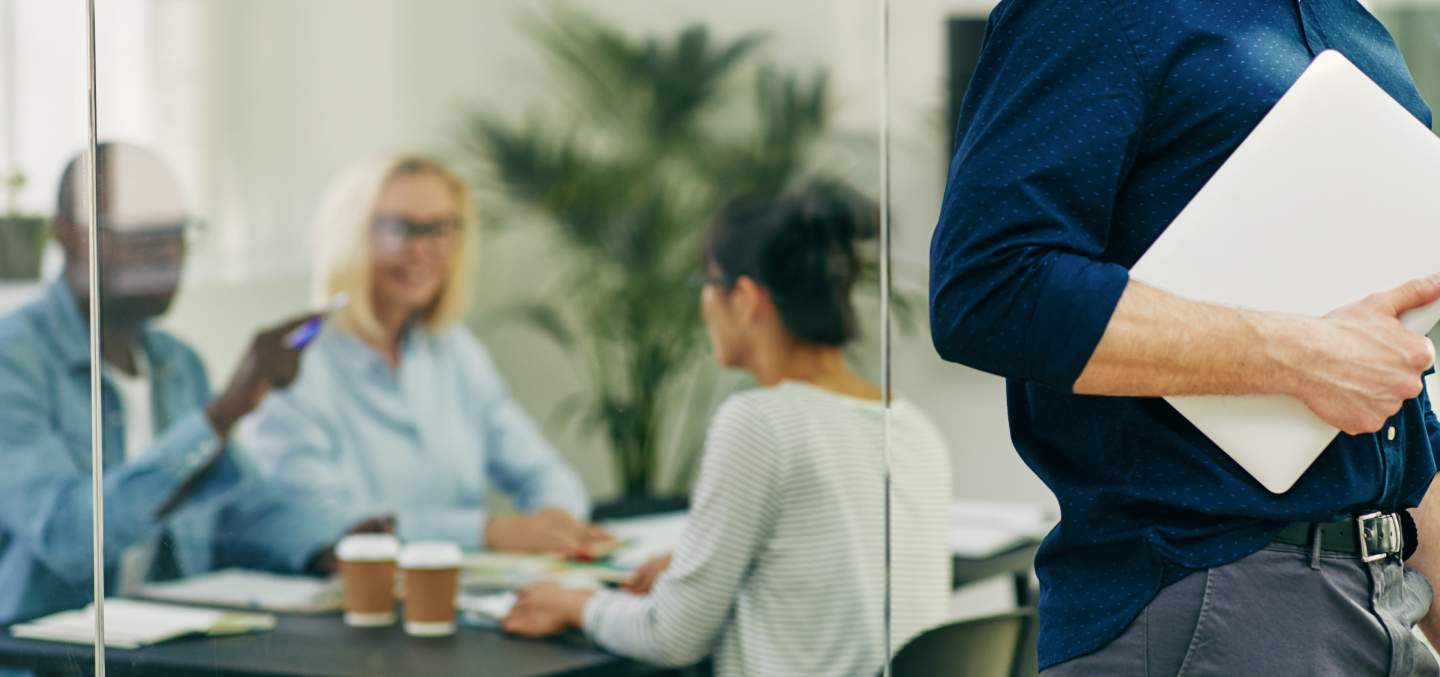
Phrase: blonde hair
(343, 253)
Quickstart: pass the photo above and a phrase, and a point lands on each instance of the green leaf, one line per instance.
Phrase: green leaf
(623, 184)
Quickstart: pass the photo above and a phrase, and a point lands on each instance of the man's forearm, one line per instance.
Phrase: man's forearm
(1160, 344)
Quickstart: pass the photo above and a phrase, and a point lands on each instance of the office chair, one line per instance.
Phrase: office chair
(995, 646)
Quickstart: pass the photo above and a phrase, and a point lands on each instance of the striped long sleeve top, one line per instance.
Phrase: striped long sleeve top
(781, 569)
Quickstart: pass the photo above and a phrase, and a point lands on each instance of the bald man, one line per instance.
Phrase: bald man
(177, 501)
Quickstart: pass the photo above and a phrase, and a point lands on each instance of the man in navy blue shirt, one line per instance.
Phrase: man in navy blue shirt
(1088, 126)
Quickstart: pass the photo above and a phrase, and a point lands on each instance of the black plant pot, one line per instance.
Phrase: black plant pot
(638, 506)
(22, 238)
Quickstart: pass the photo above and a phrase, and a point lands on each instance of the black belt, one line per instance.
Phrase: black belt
(1371, 537)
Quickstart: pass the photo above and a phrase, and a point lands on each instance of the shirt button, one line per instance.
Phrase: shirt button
(1390, 434)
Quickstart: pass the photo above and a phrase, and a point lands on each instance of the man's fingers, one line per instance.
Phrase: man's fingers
(295, 322)
(1418, 292)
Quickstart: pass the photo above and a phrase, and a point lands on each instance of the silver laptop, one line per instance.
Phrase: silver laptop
(1334, 196)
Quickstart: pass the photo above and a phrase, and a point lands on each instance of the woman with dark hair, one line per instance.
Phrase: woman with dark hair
(781, 569)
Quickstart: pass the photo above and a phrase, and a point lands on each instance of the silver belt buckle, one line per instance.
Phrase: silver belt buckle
(1387, 533)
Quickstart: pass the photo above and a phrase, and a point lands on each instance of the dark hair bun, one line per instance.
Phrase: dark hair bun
(801, 248)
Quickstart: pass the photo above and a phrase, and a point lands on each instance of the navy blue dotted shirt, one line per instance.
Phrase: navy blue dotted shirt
(1088, 126)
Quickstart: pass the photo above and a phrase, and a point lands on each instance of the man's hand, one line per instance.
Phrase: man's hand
(548, 531)
(325, 562)
(1367, 363)
(546, 609)
(267, 364)
(643, 580)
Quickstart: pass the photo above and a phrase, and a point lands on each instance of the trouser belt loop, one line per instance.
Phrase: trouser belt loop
(1315, 538)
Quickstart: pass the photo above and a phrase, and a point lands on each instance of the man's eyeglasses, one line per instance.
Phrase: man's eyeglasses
(190, 231)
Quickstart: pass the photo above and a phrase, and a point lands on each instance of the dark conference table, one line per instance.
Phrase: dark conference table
(323, 646)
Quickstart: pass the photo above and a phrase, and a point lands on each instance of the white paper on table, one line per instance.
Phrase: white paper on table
(644, 538)
(244, 589)
(494, 607)
(131, 624)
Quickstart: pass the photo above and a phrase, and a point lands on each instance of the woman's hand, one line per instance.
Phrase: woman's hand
(551, 531)
(546, 609)
(644, 578)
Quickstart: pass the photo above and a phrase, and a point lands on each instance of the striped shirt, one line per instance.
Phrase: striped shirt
(781, 569)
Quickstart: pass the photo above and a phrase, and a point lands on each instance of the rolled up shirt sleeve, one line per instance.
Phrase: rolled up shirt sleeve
(1020, 285)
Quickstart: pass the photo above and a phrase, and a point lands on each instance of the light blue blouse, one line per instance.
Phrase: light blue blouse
(425, 441)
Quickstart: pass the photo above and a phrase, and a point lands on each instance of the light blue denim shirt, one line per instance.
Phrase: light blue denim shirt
(425, 441)
(234, 518)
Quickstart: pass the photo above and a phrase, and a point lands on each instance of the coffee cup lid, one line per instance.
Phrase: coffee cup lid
(367, 548)
(430, 555)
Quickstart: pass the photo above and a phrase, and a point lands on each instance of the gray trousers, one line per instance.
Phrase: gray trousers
(1277, 613)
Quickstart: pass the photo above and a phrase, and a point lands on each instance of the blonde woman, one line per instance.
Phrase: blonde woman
(399, 409)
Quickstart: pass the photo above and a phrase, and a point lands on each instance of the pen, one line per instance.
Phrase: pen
(302, 335)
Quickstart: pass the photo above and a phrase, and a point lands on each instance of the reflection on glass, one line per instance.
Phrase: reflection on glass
(46, 516)
(45, 551)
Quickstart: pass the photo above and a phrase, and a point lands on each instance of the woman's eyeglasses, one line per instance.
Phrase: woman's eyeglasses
(402, 229)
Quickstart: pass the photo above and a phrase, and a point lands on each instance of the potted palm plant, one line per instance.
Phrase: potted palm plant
(22, 236)
(623, 185)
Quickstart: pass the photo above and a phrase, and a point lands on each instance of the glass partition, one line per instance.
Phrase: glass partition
(46, 494)
(509, 337)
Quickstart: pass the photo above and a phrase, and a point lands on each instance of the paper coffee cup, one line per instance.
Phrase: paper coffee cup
(367, 572)
(432, 581)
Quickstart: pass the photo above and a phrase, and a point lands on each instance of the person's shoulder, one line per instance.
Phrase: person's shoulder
(741, 433)
(763, 416)
(457, 337)
(1077, 10)
(456, 349)
(22, 338)
(750, 407)
(1061, 22)
(458, 344)
(21, 327)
